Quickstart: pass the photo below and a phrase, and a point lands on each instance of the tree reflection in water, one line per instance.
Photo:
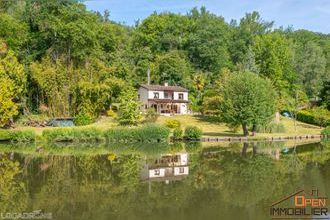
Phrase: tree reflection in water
(213, 181)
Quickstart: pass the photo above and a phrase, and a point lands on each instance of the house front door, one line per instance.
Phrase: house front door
(155, 107)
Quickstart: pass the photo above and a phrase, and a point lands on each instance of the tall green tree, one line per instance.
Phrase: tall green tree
(325, 94)
(310, 65)
(171, 67)
(129, 109)
(244, 34)
(247, 100)
(207, 44)
(12, 85)
(274, 60)
(8, 108)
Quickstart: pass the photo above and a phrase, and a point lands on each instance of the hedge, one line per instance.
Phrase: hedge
(25, 136)
(73, 135)
(146, 133)
(326, 131)
(314, 117)
(192, 133)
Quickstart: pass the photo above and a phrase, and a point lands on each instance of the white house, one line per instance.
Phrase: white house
(167, 167)
(164, 99)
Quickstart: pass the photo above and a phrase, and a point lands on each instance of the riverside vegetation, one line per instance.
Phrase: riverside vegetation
(145, 133)
(61, 60)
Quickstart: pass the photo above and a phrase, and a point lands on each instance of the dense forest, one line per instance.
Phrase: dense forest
(60, 59)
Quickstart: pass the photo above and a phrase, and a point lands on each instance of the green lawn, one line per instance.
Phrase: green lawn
(210, 128)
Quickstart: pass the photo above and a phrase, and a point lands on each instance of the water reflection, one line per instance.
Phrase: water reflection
(168, 167)
(191, 181)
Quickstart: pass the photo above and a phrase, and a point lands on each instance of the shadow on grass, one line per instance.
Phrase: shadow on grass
(308, 126)
(225, 134)
(209, 119)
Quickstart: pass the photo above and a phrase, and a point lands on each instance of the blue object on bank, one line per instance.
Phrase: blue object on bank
(287, 114)
(61, 122)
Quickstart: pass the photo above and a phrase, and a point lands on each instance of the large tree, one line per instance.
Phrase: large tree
(244, 34)
(310, 65)
(207, 44)
(325, 94)
(247, 100)
(171, 67)
(12, 84)
(129, 109)
(274, 58)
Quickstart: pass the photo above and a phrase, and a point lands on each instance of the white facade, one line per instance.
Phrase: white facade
(168, 166)
(165, 99)
(181, 171)
(153, 173)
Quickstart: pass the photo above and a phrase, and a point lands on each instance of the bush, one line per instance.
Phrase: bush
(87, 135)
(326, 131)
(73, 135)
(315, 116)
(58, 135)
(151, 115)
(83, 119)
(18, 135)
(177, 134)
(153, 133)
(172, 123)
(146, 133)
(111, 113)
(4, 135)
(193, 132)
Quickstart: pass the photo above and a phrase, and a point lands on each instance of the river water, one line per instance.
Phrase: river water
(177, 181)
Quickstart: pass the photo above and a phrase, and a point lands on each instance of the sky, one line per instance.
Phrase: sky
(312, 15)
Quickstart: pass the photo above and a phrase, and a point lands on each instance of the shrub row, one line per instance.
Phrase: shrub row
(190, 133)
(146, 133)
(73, 135)
(18, 135)
(314, 117)
(326, 131)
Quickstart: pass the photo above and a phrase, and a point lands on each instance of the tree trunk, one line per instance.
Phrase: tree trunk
(254, 130)
(245, 129)
(254, 148)
(245, 147)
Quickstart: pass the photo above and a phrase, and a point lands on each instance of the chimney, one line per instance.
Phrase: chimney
(148, 73)
(166, 84)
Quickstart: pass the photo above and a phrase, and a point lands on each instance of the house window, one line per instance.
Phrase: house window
(157, 172)
(156, 95)
(181, 170)
(181, 96)
(166, 95)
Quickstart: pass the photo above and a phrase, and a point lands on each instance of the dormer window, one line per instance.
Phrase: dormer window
(180, 96)
(156, 95)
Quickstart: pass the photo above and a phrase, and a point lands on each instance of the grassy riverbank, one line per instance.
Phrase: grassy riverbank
(97, 130)
(215, 129)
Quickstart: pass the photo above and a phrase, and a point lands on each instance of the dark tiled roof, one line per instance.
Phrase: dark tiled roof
(164, 88)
